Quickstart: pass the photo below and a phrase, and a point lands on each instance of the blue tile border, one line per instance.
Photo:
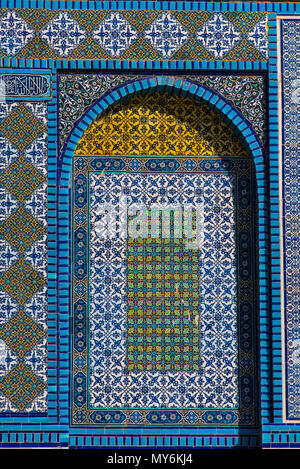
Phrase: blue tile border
(54, 430)
(290, 373)
(277, 7)
(236, 122)
(34, 430)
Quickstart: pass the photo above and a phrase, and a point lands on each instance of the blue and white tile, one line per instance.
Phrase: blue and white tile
(63, 34)
(37, 307)
(8, 204)
(166, 34)
(37, 255)
(218, 385)
(15, 33)
(258, 37)
(115, 34)
(8, 307)
(218, 36)
(37, 153)
(7, 359)
(8, 255)
(37, 204)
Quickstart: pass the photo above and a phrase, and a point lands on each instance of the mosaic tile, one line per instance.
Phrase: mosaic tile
(108, 313)
(8, 307)
(36, 153)
(117, 330)
(130, 34)
(37, 305)
(183, 136)
(258, 37)
(21, 334)
(23, 252)
(14, 32)
(21, 281)
(23, 240)
(160, 301)
(8, 255)
(7, 358)
(196, 383)
(21, 127)
(63, 34)
(166, 35)
(37, 255)
(36, 204)
(101, 295)
(290, 70)
(7, 152)
(115, 34)
(7, 203)
(21, 178)
(78, 92)
(218, 35)
(21, 386)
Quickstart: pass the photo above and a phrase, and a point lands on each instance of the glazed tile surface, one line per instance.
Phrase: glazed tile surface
(78, 92)
(133, 35)
(23, 131)
(159, 120)
(191, 361)
(291, 68)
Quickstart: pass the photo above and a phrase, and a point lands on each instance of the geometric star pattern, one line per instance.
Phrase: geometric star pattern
(21, 178)
(21, 230)
(258, 37)
(14, 33)
(21, 333)
(130, 34)
(115, 34)
(166, 35)
(21, 281)
(149, 124)
(218, 36)
(22, 224)
(21, 127)
(63, 34)
(21, 386)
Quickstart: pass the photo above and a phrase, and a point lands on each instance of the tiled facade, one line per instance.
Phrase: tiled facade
(113, 341)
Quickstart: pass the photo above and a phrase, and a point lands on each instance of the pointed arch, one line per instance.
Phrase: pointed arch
(202, 94)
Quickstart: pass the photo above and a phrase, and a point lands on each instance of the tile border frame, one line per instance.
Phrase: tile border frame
(236, 121)
(55, 432)
(283, 317)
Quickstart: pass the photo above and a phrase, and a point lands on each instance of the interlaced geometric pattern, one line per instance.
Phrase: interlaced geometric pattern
(133, 34)
(21, 333)
(21, 281)
(79, 91)
(21, 386)
(21, 178)
(21, 127)
(125, 373)
(23, 246)
(32, 230)
(162, 305)
(160, 124)
(291, 211)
